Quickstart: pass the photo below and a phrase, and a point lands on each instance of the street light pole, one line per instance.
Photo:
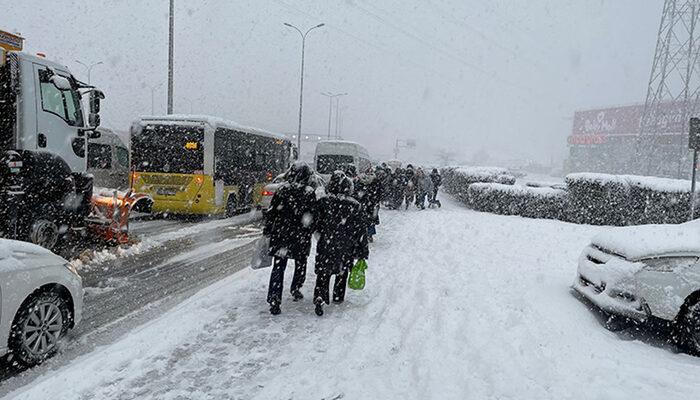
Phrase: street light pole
(331, 96)
(153, 91)
(301, 84)
(88, 67)
(170, 57)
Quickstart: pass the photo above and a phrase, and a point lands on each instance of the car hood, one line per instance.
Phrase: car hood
(16, 255)
(645, 241)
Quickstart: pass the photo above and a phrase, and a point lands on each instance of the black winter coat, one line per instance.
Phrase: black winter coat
(436, 178)
(368, 191)
(343, 233)
(289, 221)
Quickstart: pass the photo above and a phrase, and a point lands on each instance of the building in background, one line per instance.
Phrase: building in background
(609, 140)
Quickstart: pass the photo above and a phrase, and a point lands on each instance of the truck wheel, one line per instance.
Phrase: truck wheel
(38, 326)
(44, 233)
(231, 206)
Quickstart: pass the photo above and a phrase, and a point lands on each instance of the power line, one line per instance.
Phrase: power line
(445, 53)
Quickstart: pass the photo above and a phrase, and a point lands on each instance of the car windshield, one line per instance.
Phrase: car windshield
(502, 200)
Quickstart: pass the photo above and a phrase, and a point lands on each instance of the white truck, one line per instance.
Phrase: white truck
(44, 189)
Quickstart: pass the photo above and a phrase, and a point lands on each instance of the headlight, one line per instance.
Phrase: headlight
(668, 264)
(71, 268)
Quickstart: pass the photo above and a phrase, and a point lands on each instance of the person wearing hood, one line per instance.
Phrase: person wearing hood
(342, 230)
(368, 191)
(289, 223)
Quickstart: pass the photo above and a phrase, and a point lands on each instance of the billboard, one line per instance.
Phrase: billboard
(595, 126)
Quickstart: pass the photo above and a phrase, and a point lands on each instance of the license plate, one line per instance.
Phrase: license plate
(166, 191)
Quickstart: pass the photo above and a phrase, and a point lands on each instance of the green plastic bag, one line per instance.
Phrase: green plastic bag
(356, 281)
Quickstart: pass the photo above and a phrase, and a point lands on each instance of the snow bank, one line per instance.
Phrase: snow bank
(531, 202)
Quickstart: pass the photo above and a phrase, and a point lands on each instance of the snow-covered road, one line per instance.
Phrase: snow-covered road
(458, 305)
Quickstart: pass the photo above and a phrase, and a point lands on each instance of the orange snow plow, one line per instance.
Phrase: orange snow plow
(109, 217)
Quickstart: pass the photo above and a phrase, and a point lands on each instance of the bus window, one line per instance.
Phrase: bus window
(169, 149)
(328, 163)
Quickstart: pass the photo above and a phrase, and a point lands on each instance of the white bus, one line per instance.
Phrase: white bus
(332, 155)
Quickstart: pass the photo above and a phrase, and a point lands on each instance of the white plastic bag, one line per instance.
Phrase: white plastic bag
(261, 257)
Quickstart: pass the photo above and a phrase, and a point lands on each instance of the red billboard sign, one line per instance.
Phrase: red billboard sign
(626, 120)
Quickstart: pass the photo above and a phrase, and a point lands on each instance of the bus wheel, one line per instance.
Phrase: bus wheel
(231, 206)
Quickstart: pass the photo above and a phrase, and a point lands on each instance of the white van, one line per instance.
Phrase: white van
(332, 155)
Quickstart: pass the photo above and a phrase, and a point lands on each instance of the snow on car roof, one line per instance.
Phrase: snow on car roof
(215, 122)
(647, 241)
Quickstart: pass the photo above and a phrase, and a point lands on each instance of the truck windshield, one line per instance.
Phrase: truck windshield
(168, 149)
(327, 163)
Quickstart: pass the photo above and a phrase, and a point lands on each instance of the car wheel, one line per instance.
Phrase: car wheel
(39, 325)
(44, 233)
(687, 329)
(231, 206)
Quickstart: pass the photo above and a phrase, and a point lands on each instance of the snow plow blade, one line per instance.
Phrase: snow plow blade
(109, 217)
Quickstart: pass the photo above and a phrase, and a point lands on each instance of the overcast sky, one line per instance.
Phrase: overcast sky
(504, 76)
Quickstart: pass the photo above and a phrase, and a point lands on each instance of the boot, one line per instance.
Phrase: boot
(319, 309)
(275, 309)
(296, 295)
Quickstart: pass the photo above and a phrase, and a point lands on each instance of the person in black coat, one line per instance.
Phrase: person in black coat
(368, 191)
(341, 224)
(437, 181)
(289, 223)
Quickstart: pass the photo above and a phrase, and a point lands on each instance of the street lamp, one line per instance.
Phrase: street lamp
(153, 91)
(88, 67)
(301, 85)
(331, 96)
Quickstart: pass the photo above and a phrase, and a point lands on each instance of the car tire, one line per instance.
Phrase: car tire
(687, 328)
(44, 233)
(38, 327)
(231, 206)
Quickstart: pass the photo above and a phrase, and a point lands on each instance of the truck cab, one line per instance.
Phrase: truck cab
(44, 186)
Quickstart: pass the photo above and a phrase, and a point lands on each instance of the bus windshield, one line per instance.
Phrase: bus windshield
(169, 149)
(327, 163)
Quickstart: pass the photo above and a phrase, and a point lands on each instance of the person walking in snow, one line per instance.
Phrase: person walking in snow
(342, 230)
(410, 185)
(289, 223)
(368, 191)
(437, 181)
(424, 186)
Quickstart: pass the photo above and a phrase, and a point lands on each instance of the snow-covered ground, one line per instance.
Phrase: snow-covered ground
(458, 305)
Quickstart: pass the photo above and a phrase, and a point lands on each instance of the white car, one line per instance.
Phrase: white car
(316, 181)
(41, 298)
(644, 272)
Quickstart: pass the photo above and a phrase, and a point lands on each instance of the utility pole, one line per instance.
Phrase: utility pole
(170, 57)
(153, 97)
(301, 84)
(674, 85)
(337, 116)
(88, 67)
(331, 96)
